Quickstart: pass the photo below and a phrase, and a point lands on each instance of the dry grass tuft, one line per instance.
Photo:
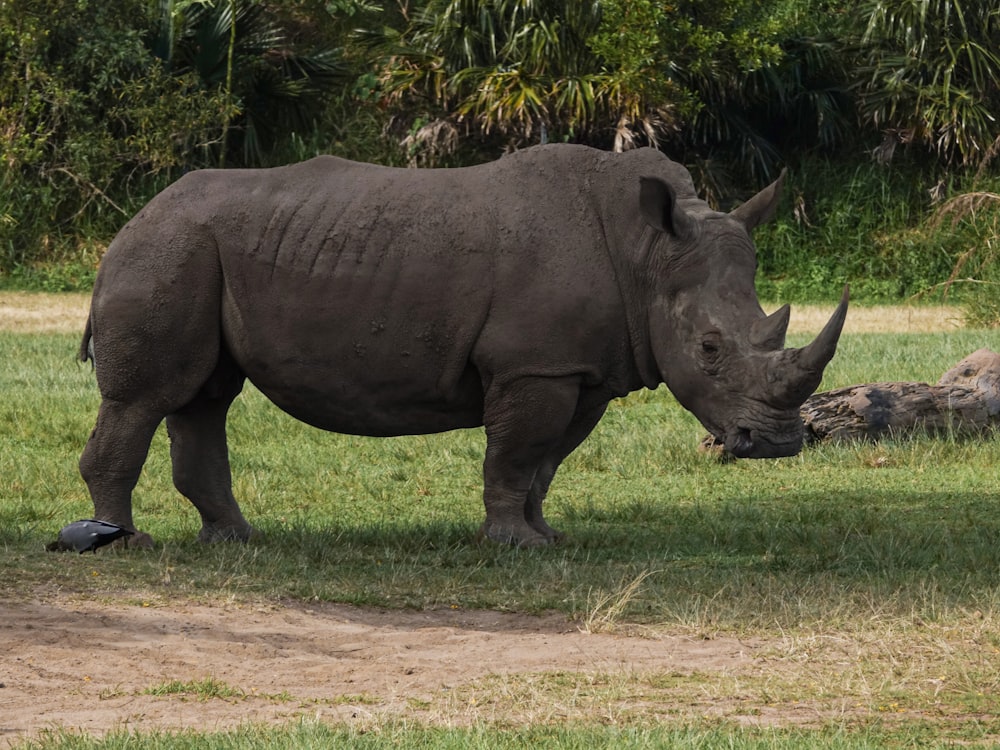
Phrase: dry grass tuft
(37, 312)
(878, 319)
(606, 608)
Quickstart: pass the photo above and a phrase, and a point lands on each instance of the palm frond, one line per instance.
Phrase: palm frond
(931, 69)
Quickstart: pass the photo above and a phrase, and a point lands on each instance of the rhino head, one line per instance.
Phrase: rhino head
(720, 355)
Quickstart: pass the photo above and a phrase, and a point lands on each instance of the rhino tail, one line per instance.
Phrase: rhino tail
(87, 344)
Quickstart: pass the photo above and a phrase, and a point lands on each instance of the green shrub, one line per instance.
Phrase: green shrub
(973, 218)
(95, 117)
(873, 227)
(90, 126)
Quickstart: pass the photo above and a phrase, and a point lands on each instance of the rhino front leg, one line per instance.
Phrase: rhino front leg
(584, 421)
(112, 461)
(526, 423)
(199, 454)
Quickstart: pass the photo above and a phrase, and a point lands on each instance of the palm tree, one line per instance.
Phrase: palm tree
(754, 118)
(727, 80)
(929, 74)
(507, 66)
(235, 46)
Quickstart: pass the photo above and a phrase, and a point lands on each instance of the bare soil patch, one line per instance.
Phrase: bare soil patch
(92, 667)
(877, 319)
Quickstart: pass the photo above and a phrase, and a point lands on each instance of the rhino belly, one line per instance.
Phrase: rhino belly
(337, 371)
(345, 402)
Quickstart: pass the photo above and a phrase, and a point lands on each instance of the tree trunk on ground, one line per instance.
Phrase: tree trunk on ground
(965, 402)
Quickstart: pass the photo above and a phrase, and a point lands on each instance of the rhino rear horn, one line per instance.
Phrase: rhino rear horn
(769, 332)
(760, 209)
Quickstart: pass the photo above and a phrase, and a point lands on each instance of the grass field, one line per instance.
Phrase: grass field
(890, 547)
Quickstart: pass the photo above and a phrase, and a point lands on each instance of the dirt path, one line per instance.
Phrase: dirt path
(90, 666)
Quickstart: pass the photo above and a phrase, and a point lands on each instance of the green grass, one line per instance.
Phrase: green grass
(891, 547)
(313, 735)
(898, 528)
(203, 690)
(876, 227)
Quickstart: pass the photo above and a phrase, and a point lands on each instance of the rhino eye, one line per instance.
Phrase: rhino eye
(710, 345)
(711, 348)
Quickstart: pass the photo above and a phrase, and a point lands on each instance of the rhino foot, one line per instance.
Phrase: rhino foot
(557, 537)
(518, 536)
(138, 540)
(550, 534)
(211, 534)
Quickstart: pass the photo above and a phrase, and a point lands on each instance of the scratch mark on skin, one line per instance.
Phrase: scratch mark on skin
(333, 242)
(285, 241)
(372, 225)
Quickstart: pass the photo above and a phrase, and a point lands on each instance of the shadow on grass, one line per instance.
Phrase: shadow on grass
(754, 562)
(808, 546)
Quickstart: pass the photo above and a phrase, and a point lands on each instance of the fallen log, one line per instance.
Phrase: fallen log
(965, 402)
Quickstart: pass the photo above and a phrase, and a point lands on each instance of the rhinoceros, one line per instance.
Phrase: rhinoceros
(521, 295)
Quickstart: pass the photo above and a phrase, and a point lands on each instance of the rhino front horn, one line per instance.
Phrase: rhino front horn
(802, 369)
(818, 354)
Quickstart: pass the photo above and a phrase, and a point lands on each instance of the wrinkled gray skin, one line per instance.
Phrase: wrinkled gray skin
(522, 295)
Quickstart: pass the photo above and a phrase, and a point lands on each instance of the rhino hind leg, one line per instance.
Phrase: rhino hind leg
(112, 461)
(157, 350)
(199, 454)
(528, 424)
(536, 497)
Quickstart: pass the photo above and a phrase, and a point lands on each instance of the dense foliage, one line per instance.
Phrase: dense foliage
(880, 109)
(705, 80)
(929, 73)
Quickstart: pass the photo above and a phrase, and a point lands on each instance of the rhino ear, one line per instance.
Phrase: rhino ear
(659, 207)
(761, 207)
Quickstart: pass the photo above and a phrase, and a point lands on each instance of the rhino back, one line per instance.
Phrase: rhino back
(383, 301)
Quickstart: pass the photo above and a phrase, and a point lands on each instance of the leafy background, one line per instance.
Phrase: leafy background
(885, 114)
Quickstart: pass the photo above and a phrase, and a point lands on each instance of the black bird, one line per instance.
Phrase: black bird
(87, 536)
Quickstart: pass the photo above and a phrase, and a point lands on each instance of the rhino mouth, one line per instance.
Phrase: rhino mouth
(743, 442)
(739, 443)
